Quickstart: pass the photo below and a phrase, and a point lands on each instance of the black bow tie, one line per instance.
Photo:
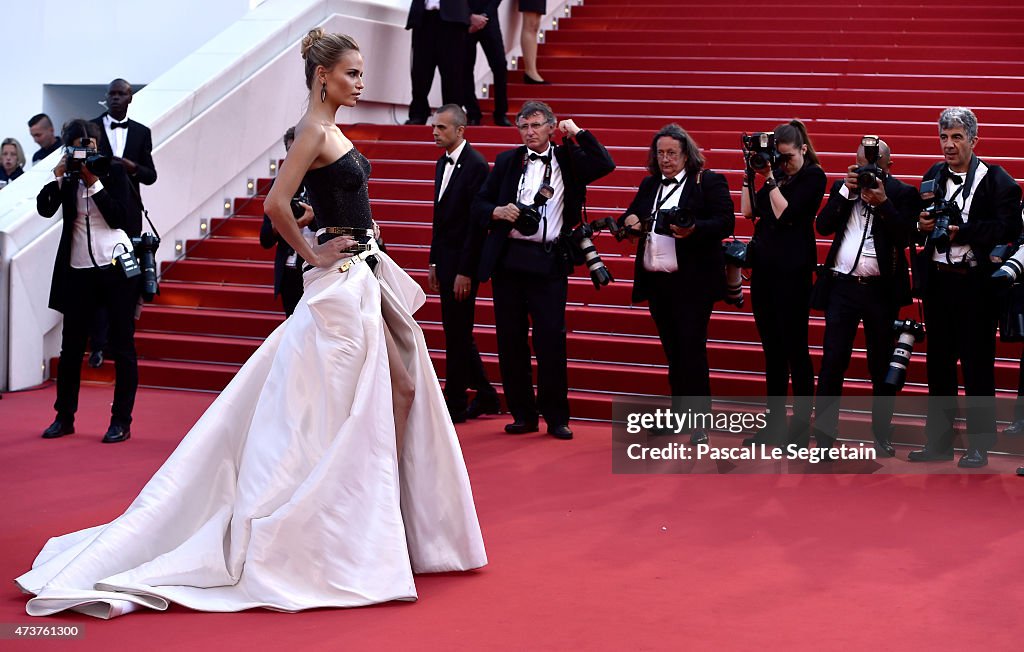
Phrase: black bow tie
(448, 160)
(119, 125)
(537, 157)
(671, 181)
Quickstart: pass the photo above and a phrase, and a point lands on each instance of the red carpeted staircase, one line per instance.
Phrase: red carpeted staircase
(623, 69)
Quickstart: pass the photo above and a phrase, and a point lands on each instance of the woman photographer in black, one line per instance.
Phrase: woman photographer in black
(782, 257)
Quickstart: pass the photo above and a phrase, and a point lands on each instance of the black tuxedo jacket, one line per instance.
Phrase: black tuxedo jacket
(700, 254)
(995, 218)
(138, 148)
(116, 205)
(579, 164)
(452, 11)
(456, 239)
(897, 218)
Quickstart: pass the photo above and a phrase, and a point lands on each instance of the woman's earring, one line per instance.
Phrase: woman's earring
(323, 91)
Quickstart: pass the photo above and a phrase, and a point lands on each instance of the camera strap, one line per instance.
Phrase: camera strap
(543, 209)
(143, 207)
(659, 201)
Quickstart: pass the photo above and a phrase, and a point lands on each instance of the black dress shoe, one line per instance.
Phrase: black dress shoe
(501, 121)
(928, 455)
(1014, 429)
(116, 434)
(459, 416)
(1020, 470)
(518, 427)
(486, 406)
(530, 80)
(59, 428)
(412, 121)
(885, 448)
(96, 359)
(559, 432)
(473, 122)
(973, 459)
(699, 437)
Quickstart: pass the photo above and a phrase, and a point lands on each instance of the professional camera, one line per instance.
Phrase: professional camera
(1012, 259)
(910, 332)
(297, 210)
(89, 157)
(759, 150)
(869, 176)
(145, 248)
(666, 218)
(946, 214)
(581, 237)
(528, 221)
(735, 253)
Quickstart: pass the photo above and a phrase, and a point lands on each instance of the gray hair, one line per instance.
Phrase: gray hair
(535, 106)
(457, 114)
(959, 116)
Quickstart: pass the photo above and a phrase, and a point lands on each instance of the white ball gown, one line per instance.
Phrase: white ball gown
(325, 474)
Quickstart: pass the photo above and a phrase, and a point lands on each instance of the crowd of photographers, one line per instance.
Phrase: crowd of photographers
(954, 244)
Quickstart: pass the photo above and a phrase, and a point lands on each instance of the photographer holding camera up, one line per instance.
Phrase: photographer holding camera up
(782, 192)
(871, 214)
(971, 207)
(680, 269)
(95, 268)
(530, 203)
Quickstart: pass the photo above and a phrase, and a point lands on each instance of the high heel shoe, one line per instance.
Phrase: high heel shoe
(530, 80)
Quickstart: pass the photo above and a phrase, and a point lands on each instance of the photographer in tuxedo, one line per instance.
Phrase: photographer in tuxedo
(871, 215)
(454, 259)
(89, 273)
(982, 205)
(527, 253)
(680, 270)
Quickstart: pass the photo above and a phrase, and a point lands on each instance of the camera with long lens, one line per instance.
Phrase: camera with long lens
(869, 176)
(1012, 259)
(946, 214)
(759, 150)
(910, 332)
(666, 218)
(581, 237)
(528, 221)
(88, 157)
(145, 248)
(735, 252)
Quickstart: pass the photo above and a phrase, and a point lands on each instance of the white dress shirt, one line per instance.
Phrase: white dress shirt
(449, 168)
(858, 228)
(93, 242)
(116, 137)
(959, 253)
(660, 250)
(532, 180)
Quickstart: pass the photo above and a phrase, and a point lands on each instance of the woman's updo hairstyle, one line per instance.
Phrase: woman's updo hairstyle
(795, 133)
(322, 49)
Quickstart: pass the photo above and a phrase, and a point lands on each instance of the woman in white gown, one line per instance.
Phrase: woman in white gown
(328, 471)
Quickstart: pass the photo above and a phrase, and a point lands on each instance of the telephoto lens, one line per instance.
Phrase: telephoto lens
(910, 332)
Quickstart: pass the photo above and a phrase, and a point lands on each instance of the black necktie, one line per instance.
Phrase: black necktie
(537, 157)
(671, 181)
(448, 160)
(119, 125)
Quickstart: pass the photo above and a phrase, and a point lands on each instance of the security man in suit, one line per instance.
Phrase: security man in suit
(454, 259)
(681, 213)
(439, 36)
(100, 218)
(867, 280)
(531, 265)
(960, 307)
(485, 29)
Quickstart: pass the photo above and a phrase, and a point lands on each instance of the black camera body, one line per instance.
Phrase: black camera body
(666, 218)
(528, 221)
(87, 157)
(870, 175)
(909, 332)
(145, 248)
(946, 214)
(759, 150)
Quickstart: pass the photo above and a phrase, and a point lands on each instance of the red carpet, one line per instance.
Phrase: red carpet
(580, 559)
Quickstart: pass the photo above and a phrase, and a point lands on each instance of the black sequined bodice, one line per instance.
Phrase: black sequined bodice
(338, 192)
